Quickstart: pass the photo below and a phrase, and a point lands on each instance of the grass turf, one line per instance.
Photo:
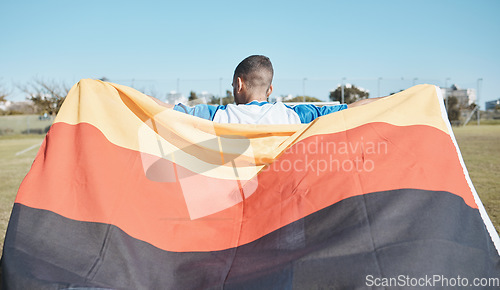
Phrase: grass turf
(12, 171)
(480, 147)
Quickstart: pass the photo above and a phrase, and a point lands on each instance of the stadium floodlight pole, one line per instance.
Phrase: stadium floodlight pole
(220, 91)
(342, 90)
(178, 85)
(304, 89)
(479, 82)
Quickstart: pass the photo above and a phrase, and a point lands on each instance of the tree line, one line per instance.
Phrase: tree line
(48, 96)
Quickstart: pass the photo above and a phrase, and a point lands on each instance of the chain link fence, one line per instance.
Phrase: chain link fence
(25, 124)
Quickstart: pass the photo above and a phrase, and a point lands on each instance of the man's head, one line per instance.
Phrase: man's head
(252, 79)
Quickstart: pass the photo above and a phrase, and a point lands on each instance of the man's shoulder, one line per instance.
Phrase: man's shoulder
(309, 112)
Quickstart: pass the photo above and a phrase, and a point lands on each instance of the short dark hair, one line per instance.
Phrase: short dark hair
(256, 71)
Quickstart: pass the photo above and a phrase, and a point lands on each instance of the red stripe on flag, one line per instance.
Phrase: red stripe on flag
(79, 174)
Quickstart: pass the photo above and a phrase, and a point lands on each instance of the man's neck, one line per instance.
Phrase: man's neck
(251, 99)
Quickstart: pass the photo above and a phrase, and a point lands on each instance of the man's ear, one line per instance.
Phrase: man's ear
(239, 84)
(269, 91)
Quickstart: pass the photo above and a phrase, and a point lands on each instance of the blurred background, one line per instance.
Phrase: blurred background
(186, 51)
(174, 50)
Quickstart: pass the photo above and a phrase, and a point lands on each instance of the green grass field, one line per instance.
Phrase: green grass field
(480, 146)
(12, 171)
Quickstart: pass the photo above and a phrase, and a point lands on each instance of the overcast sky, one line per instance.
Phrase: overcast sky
(160, 46)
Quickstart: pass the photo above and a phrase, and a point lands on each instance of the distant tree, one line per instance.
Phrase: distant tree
(3, 93)
(3, 97)
(469, 107)
(214, 100)
(104, 79)
(228, 99)
(453, 109)
(351, 94)
(21, 108)
(301, 99)
(192, 96)
(47, 97)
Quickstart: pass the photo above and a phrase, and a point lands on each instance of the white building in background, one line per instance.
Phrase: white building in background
(205, 97)
(465, 97)
(4, 106)
(492, 105)
(174, 97)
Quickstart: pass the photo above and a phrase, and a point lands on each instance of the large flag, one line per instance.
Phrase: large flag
(127, 194)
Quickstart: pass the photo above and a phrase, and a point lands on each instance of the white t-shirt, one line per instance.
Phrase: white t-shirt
(259, 112)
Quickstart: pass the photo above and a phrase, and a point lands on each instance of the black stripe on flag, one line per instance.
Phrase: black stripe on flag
(384, 234)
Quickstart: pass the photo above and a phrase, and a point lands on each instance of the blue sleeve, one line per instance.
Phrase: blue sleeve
(202, 110)
(307, 113)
